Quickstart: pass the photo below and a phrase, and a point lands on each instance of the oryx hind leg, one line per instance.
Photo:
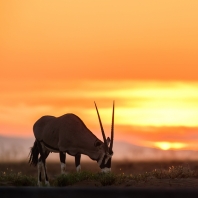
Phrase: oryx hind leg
(62, 161)
(42, 165)
(77, 162)
(40, 169)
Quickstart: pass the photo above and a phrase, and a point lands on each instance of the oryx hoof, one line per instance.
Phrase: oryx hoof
(78, 168)
(63, 173)
(47, 183)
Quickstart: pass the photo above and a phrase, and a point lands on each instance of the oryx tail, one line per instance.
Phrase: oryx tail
(34, 153)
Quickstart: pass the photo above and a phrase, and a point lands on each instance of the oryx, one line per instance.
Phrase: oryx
(68, 134)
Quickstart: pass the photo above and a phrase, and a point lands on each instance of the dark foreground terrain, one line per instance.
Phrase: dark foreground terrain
(128, 179)
(158, 174)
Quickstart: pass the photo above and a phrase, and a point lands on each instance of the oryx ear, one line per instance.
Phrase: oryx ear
(108, 141)
(98, 144)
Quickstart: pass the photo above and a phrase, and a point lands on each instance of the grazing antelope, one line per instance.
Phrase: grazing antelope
(68, 134)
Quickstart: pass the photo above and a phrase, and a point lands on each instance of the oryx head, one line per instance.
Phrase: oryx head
(104, 160)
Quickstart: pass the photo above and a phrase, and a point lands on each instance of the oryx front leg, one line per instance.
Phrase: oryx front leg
(77, 162)
(62, 160)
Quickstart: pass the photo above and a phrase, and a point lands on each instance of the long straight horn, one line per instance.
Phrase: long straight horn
(112, 130)
(103, 134)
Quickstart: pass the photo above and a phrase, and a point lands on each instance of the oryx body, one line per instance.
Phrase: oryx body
(68, 134)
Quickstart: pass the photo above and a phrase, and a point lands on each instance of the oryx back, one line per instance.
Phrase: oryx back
(66, 133)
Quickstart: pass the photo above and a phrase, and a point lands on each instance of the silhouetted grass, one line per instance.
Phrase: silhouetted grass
(72, 178)
(174, 172)
(105, 179)
(16, 179)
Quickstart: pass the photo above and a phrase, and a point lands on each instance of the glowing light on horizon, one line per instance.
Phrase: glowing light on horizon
(169, 145)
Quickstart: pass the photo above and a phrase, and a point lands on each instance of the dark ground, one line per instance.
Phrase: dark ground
(121, 167)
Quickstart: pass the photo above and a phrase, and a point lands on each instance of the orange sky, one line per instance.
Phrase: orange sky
(60, 56)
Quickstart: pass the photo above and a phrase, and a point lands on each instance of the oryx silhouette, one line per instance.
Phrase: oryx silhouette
(68, 134)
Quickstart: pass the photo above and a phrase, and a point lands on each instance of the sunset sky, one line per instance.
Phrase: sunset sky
(59, 56)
